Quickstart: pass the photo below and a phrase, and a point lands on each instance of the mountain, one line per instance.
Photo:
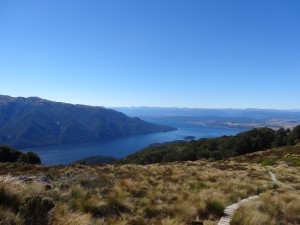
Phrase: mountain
(30, 122)
(207, 112)
(228, 118)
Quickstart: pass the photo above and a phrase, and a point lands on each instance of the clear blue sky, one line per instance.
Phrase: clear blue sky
(187, 53)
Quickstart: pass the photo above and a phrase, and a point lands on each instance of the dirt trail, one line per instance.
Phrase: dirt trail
(273, 176)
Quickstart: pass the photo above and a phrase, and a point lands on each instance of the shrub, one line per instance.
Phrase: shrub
(116, 203)
(30, 157)
(7, 217)
(215, 207)
(36, 210)
(267, 162)
(91, 205)
(152, 211)
(9, 198)
(233, 197)
(296, 132)
(8, 154)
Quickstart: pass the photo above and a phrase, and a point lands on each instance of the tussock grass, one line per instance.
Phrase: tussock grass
(72, 218)
(280, 204)
(272, 208)
(171, 193)
(153, 194)
(7, 217)
(12, 192)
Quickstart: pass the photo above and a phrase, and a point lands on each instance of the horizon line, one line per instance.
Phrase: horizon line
(162, 107)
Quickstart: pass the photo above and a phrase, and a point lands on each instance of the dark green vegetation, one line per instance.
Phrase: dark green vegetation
(36, 210)
(28, 122)
(7, 154)
(97, 160)
(217, 148)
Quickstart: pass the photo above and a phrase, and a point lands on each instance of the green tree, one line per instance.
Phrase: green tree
(296, 132)
(30, 157)
(280, 138)
(7, 154)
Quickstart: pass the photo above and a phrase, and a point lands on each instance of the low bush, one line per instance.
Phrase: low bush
(9, 199)
(36, 210)
(215, 207)
(7, 217)
(8, 154)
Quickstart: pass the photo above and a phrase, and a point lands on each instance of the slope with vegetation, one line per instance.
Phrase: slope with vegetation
(28, 122)
(282, 204)
(177, 193)
(217, 148)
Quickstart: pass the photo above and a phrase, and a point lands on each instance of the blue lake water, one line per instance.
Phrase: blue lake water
(121, 147)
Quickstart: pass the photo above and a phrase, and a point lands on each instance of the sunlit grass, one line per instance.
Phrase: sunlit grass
(172, 193)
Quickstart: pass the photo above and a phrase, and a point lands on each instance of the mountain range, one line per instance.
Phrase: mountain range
(31, 122)
(208, 112)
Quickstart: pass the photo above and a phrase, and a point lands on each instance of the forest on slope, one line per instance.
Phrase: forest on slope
(224, 147)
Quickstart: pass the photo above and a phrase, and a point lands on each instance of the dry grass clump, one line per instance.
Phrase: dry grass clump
(272, 208)
(12, 192)
(72, 218)
(7, 216)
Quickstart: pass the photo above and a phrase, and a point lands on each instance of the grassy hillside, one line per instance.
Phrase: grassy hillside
(279, 206)
(159, 194)
(97, 160)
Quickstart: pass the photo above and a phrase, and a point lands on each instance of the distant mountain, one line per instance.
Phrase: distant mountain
(29, 122)
(203, 112)
(230, 118)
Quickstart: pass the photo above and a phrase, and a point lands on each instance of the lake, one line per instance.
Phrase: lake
(121, 147)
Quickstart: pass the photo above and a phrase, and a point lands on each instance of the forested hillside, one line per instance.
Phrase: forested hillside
(217, 148)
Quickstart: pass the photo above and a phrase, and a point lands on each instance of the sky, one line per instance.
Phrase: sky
(183, 53)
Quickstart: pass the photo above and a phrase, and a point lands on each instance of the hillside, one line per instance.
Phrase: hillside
(97, 160)
(28, 122)
(159, 194)
(216, 148)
